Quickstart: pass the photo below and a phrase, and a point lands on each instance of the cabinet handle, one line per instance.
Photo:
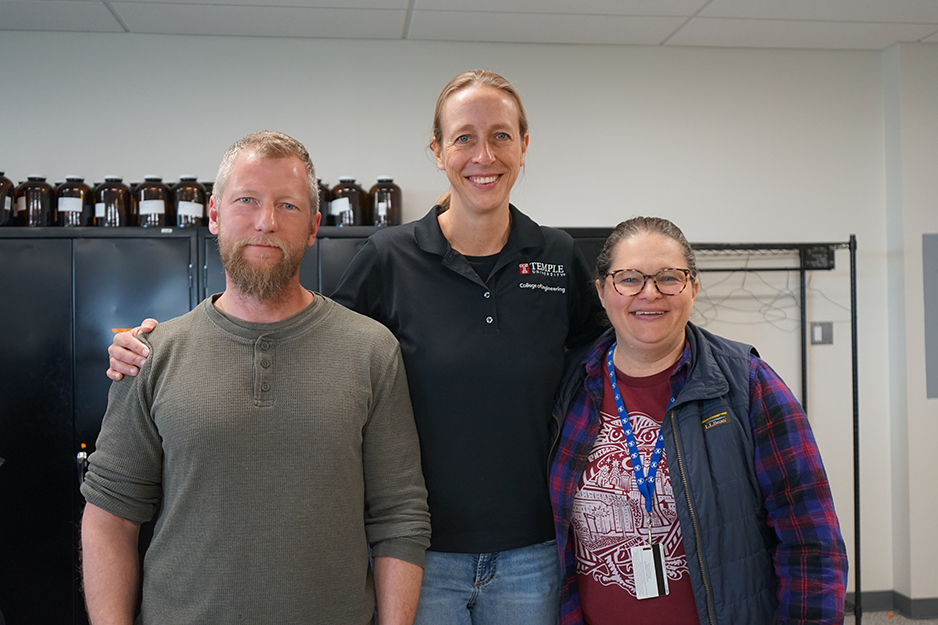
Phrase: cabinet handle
(82, 461)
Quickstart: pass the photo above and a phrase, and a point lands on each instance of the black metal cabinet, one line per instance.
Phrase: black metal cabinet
(37, 479)
(63, 291)
(336, 248)
(118, 282)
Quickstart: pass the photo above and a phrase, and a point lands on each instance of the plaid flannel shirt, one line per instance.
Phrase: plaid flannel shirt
(810, 558)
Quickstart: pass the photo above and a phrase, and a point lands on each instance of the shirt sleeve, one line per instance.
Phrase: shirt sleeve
(397, 520)
(810, 558)
(125, 472)
(584, 309)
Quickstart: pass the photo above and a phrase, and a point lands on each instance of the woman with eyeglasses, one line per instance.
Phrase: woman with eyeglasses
(687, 485)
(485, 304)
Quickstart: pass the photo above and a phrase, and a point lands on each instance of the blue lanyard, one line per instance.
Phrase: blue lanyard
(645, 487)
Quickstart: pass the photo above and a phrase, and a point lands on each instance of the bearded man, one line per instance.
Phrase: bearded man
(269, 433)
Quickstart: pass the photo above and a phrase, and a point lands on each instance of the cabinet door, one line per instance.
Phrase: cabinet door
(38, 480)
(336, 254)
(118, 283)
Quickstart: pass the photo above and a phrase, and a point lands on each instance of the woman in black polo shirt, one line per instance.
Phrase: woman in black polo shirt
(483, 301)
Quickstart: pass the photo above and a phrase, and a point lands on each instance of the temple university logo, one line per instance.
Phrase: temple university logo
(542, 269)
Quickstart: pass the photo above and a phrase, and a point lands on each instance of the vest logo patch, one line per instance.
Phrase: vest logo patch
(524, 269)
(721, 418)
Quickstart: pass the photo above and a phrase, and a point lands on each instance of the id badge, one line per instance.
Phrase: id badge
(650, 571)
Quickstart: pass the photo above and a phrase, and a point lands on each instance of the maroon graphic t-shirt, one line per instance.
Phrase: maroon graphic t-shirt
(610, 517)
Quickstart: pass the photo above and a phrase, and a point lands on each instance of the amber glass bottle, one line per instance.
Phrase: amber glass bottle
(35, 200)
(154, 203)
(209, 187)
(189, 197)
(355, 212)
(112, 204)
(325, 199)
(385, 202)
(6, 200)
(74, 203)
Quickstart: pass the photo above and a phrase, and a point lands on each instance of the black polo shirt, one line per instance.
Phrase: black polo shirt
(483, 360)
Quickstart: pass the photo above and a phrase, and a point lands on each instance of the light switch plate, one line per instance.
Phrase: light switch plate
(822, 332)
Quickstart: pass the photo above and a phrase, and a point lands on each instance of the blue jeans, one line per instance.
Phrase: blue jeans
(519, 586)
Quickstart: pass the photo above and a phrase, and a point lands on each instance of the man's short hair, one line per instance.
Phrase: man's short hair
(268, 144)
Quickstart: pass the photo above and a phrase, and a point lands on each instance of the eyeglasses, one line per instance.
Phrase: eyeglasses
(630, 282)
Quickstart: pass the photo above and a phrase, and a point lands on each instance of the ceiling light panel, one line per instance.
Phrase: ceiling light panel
(892, 11)
(796, 34)
(536, 28)
(202, 19)
(306, 4)
(671, 8)
(57, 15)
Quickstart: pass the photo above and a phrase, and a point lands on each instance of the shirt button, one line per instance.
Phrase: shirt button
(265, 345)
(487, 295)
(265, 387)
(489, 320)
(265, 363)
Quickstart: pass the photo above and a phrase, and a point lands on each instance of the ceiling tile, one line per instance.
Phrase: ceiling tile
(308, 4)
(796, 34)
(896, 11)
(57, 15)
(193, 19)
(580, 7)
(539, 28)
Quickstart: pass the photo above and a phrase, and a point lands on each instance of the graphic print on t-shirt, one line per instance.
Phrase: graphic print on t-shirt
(609, 514)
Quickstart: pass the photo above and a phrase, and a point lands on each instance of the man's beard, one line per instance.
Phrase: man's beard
(259, 281)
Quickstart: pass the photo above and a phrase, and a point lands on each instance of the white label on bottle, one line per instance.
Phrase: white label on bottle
(20, 204)
(339, 206)
(190, 209)
(70, 204)
(7, 202)
(152, 207)
(99, 209)
(382, 209)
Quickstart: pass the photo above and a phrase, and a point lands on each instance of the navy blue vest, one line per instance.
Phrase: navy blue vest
(709, 445)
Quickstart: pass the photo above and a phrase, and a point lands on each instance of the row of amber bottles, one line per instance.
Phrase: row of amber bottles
(151, 203)
(348, 204)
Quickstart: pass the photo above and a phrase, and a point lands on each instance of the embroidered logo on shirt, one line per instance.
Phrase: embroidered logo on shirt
(721, 418)
(542, 269)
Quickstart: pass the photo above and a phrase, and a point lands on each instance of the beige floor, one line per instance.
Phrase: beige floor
(883, 618)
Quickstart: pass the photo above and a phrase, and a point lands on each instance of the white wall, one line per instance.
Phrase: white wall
(912, 208)
(734, 145)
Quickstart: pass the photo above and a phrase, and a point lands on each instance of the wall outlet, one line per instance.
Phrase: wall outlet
(822, 332)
